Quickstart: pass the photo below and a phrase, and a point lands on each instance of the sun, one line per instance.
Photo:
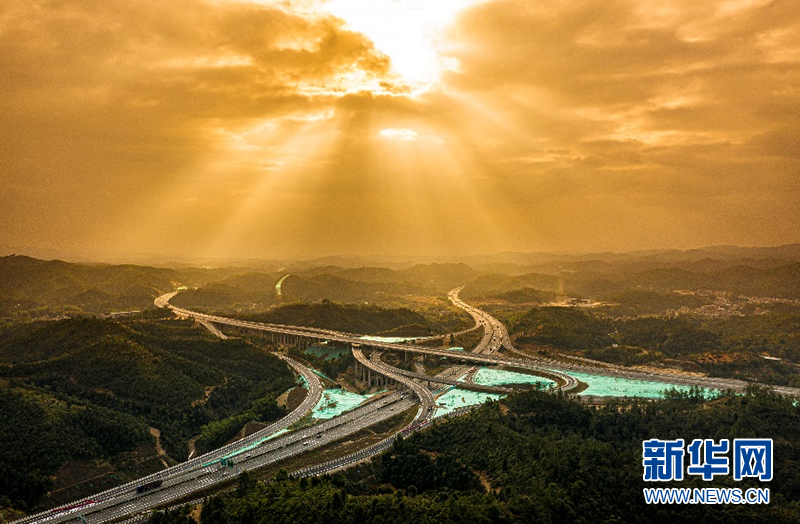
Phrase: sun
(409, 32)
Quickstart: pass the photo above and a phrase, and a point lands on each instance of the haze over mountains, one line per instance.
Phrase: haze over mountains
(42, 288)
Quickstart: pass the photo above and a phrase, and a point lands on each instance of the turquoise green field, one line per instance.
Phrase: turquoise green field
(334, 402)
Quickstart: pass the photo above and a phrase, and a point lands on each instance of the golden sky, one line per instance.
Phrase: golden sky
(234, 128)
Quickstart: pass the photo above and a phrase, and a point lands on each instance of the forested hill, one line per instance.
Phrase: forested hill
(39, 287)
(728, 346)
(77, 397)
(534, 458)
(367, 319)
(31, 288)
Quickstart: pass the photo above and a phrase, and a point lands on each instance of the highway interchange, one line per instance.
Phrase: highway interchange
(201, 474)
(256, 451)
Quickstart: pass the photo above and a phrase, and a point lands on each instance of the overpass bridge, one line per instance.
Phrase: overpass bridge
(384, 367)
(426, 400)
(558, 371)
(199, 474)
(304, 337)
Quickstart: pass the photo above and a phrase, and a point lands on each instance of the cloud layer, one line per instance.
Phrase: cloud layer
(232, 129)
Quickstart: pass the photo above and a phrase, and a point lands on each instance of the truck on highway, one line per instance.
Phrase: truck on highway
(148, 486)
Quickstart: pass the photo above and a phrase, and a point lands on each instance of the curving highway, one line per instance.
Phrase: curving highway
(127, 492)
(265, 447)
(491, 342)
(426, 400)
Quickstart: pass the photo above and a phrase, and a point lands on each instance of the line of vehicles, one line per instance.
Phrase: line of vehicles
(147, 486)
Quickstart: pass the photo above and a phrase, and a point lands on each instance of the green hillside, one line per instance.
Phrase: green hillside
(40, 431)
(47, 289)
(367, 319)
(533, 458)
(562, 328)
(30, 288)
(93, 386)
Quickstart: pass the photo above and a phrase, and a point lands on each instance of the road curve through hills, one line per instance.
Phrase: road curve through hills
(182, 480)
(426, 400)
(199, 474)
(90, 504)
(486, 344)
(484, 353)
(442, 379)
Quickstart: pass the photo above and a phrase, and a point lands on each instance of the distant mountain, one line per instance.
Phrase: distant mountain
(373, 275)
(780, 282)
(527, 295)
(435, 276)
(440, 277)
(332, 287)
(27, 284)
(784, 251)
(714, 257)
(32, 288)
(492, 285)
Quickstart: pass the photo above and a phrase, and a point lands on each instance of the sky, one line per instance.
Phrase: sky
(193, 129)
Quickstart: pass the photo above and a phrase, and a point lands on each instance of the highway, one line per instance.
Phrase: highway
(495, 337)
(253, 452)
(124, 501)
(371, 451)
(442, 379)
(263, 448)
(122, 492)
(213, 329)
(426, 400)
(270, 452)
(491, 342)
(488, 343)
(610, 369)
